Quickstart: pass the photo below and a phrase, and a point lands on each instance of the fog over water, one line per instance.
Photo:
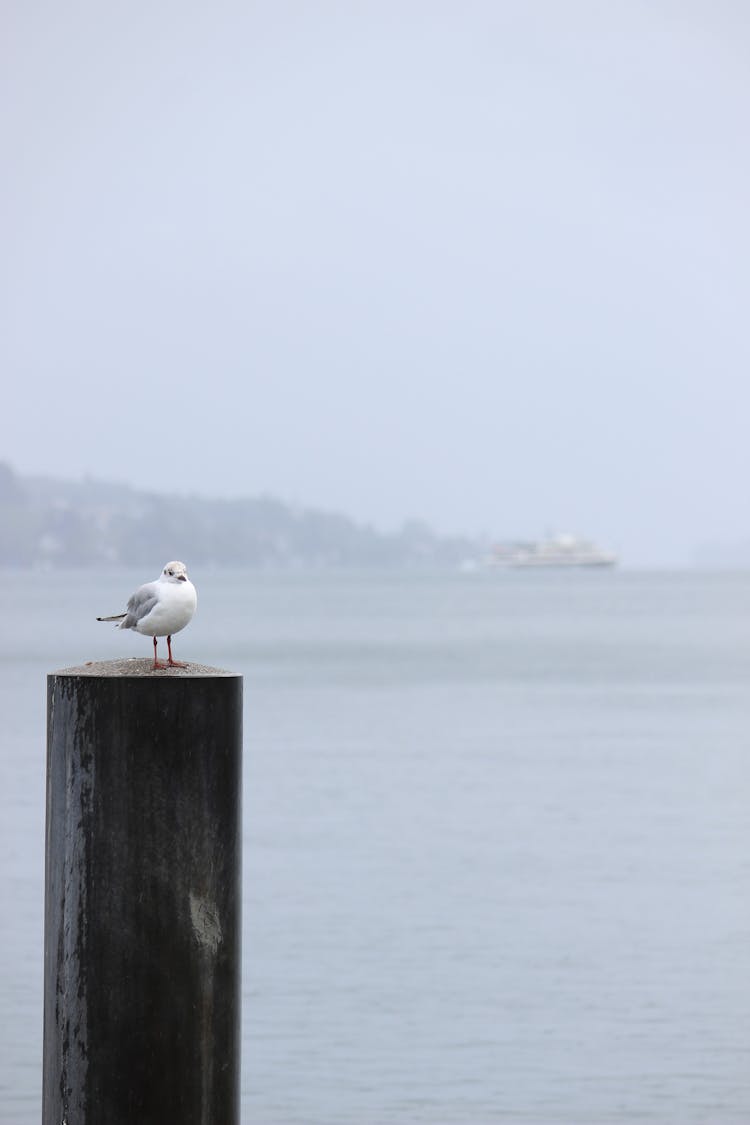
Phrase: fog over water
(483, 263)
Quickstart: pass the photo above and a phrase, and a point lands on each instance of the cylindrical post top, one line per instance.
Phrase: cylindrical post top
(138, 667)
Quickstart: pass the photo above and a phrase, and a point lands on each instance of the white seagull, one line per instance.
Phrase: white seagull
(161, 609)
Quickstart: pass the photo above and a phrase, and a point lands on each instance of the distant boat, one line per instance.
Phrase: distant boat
(560, 551)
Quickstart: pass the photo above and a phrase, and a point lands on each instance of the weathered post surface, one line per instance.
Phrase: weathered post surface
(142, 906)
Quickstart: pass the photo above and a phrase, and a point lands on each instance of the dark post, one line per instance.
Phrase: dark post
(142, 908)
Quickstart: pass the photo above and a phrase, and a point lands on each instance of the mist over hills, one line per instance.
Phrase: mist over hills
(47, 522)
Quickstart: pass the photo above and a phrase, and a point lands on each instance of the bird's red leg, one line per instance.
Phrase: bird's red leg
(173, 663)
(157, 663)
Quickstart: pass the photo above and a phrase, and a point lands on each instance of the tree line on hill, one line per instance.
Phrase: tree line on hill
(46, 523)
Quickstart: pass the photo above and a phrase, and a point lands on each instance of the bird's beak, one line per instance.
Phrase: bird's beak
(182, 577)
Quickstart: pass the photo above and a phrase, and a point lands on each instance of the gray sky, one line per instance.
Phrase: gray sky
(484, 263)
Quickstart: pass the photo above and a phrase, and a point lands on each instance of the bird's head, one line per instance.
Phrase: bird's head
(174, 572)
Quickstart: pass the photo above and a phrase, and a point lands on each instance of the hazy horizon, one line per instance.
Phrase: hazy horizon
(475, 264)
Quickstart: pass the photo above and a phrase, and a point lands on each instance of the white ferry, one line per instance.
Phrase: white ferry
(560, 551)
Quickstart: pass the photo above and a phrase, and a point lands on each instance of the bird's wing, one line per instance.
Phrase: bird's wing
(140, 604)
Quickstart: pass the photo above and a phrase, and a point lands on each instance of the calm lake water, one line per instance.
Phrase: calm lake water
(497, 841)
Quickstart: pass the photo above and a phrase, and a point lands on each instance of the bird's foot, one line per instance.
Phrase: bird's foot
(176, 664)
(158, 665)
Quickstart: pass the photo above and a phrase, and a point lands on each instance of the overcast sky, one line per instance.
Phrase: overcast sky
(480, 262)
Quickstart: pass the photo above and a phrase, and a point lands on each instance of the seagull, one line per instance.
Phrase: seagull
(161, 609)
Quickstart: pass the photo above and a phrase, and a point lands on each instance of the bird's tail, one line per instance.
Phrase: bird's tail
(117, 617)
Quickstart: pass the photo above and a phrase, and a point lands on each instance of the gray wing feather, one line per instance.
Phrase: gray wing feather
(140, 605)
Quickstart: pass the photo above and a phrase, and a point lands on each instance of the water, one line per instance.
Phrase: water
(497, 849)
